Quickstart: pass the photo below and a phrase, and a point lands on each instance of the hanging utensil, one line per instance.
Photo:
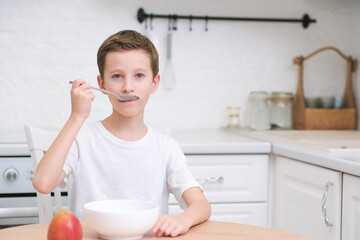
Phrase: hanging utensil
(168, 78)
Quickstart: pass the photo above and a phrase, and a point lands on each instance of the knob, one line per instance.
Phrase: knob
(11, 175)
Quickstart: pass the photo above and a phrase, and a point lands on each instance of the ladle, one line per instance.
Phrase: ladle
(169, 75)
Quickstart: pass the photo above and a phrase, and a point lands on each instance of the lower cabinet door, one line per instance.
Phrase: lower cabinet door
(244, 213)
(307, 199)
(351, 208)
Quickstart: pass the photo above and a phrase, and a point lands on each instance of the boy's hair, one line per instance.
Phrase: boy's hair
(127, 40)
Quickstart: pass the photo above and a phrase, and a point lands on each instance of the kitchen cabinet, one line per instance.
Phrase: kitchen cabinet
(306, 199)
(351, 208)
(235, 185)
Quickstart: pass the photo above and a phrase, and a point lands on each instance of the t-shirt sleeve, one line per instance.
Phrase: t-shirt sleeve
(179, 177)
(70, 164)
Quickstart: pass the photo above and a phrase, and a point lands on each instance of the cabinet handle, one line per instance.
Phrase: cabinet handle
(324, 198)
(210, 180)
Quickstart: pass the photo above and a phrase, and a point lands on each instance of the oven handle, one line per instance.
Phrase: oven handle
(19, 212)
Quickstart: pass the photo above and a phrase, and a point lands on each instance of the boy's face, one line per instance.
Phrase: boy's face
(129, 73)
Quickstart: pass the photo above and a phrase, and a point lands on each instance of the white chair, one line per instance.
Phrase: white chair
(39, 141)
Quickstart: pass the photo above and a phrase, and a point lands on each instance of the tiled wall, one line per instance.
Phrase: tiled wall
(44, 44)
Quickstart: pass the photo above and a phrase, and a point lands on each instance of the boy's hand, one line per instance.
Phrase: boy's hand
(198, 211)
(81, 99)
(171, 226)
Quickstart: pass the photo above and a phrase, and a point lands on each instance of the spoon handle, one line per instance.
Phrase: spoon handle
(101, 90)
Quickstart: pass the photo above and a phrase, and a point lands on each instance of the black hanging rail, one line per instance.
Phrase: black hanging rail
(142, 16)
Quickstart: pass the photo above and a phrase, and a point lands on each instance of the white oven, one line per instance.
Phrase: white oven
(18, 204)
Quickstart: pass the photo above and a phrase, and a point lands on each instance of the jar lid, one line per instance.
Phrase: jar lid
(259, 95)
(282, 94)
(233, 108)
(281, 97)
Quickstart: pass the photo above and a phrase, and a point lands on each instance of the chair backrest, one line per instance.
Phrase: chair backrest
(39, 141)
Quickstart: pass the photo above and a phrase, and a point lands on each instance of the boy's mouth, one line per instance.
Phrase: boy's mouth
(129, 98)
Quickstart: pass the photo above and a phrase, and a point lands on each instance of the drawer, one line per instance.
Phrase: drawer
(244, 213)
(231, 178)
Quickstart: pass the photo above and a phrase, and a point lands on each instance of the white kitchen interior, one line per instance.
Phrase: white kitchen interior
(296, 181)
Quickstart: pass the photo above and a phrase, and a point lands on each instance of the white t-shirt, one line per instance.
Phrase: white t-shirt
(106, 167)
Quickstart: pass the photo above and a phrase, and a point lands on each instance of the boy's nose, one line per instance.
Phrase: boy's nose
(128, 86)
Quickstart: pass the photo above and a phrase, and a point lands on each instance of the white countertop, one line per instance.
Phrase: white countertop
(192, 141)
(229, 141)
(218, 141)
(13, 143)
(288, 144)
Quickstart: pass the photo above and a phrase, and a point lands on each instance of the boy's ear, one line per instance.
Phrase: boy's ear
(155, 83)
(100, 82)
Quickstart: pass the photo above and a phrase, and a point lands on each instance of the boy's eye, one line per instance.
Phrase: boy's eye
(116, 76)
(139, 75)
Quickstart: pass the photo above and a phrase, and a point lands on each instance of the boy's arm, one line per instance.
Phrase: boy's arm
(198, 211)
(49, 172)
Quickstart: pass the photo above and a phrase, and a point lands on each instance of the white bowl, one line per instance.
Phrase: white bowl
(121, 219)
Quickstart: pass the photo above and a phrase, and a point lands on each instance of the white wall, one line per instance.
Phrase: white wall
(44, 44)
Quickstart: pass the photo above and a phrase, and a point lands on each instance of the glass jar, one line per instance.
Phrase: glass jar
(281, 104)
(259, 111)
(233, 117)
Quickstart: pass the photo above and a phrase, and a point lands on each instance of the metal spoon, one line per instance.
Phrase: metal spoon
(124, 98)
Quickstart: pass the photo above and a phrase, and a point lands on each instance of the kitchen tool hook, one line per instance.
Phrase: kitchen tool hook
(146, 24)
(169, 24)
(206, 23)
(151, 21)
(174, 23)
(190, 23)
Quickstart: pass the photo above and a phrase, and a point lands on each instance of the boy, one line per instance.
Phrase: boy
(120, 157)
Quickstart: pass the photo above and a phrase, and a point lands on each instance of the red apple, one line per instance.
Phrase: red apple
(64, 226)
